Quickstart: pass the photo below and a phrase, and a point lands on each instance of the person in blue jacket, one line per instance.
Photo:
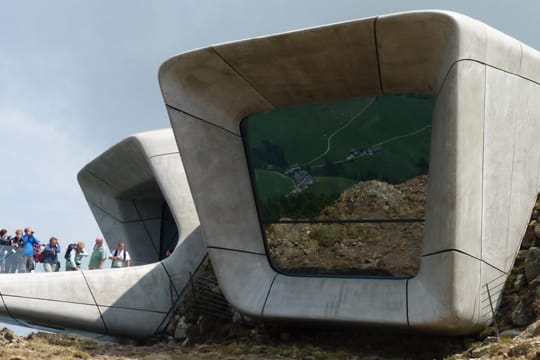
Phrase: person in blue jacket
(28, 255)
(50, 261)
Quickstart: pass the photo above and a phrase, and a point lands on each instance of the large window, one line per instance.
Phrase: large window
(169, 233)
(340, 187)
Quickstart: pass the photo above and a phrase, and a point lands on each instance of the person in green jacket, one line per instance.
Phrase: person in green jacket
(99, 255)
(73, 263)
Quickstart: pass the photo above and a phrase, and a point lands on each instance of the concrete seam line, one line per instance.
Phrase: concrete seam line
(7, 310)
(164, 154)
(122, 221)
(242, 77)
(485, 64)
(407, 301)
(482, 188)
(170, 312)
(95, 302)
(463, 253)
(511, 180)
(146, 228)
(102, 180)
(377, 55)
(132, 309)
(52, 300)
(169, 276)
(203, 120)
(235, 250)
(85, 304)
(268, 293)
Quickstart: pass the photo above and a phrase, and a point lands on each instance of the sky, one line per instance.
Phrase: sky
(78, 76)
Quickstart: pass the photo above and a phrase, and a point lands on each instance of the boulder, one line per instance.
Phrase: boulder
(532, 264)
(522, 315)
(519, 282)
(182, 329)
(510, 333)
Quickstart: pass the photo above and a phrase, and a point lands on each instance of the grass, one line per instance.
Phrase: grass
(327, 236)
(271, 184)
(302, 134)
(329, 185)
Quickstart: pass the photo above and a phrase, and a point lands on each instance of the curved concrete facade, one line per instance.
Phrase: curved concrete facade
(126, 188)
(481, 183)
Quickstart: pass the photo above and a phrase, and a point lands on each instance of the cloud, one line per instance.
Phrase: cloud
(40, 161)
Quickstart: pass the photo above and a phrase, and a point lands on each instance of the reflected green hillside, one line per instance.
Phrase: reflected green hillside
(317, 151)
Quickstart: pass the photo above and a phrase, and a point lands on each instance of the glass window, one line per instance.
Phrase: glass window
(341, 187)
(169, 233)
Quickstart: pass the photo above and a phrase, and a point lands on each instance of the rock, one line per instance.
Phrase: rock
(181, 330)
(520, 281)
(521, 255)
(532, 264)
(522, 315)
(480, 351)
(7, 335)
(531, 331)
(510, 333)
(284, 336)
(537, 230)
(237, 317)
(240, 318)
(490, 340)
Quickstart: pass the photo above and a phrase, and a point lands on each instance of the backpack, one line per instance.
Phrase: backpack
(40, 257)
(116, 253)
(68, 251)
(38, 254)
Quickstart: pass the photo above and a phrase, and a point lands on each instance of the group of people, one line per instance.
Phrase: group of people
(21, 252)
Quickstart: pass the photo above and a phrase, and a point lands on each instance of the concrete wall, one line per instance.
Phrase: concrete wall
(481, 189)
(481, 184)
(125, 188)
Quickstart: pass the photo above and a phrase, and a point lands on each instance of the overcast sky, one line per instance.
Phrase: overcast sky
(78, 76)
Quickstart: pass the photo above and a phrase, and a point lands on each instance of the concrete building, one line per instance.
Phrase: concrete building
(127, 188)
(481, 184)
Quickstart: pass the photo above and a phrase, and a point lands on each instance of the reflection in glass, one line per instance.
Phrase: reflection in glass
(340, 187)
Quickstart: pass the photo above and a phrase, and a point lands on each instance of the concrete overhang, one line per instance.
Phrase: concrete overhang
(126, 188)
(481, 184)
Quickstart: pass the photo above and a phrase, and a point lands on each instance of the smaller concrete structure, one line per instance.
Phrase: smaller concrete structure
(127, 187)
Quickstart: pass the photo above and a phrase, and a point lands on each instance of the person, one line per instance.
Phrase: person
(14, 258)
(50, 260)
(5, 248)
(99, 255)
(73, 263)
(120, 257)
(28, 255)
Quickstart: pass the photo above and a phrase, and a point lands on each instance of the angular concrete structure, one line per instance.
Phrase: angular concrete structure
(128, 188)
(481, 186)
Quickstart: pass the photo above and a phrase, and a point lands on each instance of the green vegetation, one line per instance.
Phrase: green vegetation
(271, 184)
(306, 205)
(336, 144)
(328, 185)
(327, 236)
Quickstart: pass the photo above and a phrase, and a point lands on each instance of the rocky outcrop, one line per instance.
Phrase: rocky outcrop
(359, 248)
